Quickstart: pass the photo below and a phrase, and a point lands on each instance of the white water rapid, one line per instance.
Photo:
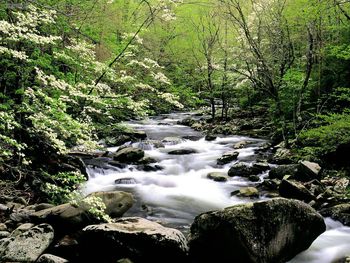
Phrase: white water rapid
(181, 190)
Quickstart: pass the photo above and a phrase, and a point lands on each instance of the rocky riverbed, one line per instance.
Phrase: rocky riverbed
(176, 195)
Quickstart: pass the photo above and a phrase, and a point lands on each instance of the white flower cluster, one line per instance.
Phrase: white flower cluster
(25, 26)
(160, 77)
(137, 38)
(21, 55)
(172, 99)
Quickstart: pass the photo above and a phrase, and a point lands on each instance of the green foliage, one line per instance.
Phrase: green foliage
(61, 187)
(331, 131)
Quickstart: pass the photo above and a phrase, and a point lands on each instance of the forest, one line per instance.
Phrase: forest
(74, 73)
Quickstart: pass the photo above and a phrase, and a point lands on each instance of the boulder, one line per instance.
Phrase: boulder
(258, 168)
(308, 171)
(68, 217)
(239, 169)
(295, 190)
(135, 238)
(267, 231)
(28, 246)
(282, 156)
(48, 258)
(280, 171)
(182, 151)
(339, 212)
(117, 202)
(128, 155)
(228, 157)
(217, 176)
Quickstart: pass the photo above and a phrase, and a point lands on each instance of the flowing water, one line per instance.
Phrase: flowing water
(179, 191)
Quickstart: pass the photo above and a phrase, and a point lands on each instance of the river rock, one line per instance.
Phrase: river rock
(295, 190)
(228, 157)
(217, 176)
(282, 170)
(68, 217)
(182, 151)
(135, 238)
(126, 180)
(3, 227)
(282, 156)
(239, 169)
(339, 212)
(28, 246)
(48, 258)
(128, 155)
(172, 140)
(240, 145)
(267, 231)
(246, 192)
(210, 137)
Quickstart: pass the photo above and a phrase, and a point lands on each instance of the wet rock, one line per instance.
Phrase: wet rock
(147, 160)
(269, 231)
(48, 258)
(260, 167)
(126, 180)
(67, 247)
(149, 168)
(210, 137)
(228, 157)
(254, 178)
(295, 190)
(128, 155)
(135, 238)
(280, 171)
(248, 192)
(217, 176)
(28, 246)
(182, 151)
(172, 140)
(271, 184)
(240, 145)
(339, 212)
(240, 169)
(117, 164)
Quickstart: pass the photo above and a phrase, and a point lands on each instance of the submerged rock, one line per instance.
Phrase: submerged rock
(228, 157)
(269, 231)
(182, 151)
(217, 176)
(28, 246)
(135, 238)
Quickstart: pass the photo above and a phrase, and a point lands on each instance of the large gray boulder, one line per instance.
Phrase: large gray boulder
(128, 155)
(28, 246)
(135, 238)
(67, 217)
(339, 212)
(308, 171)
(267, 231)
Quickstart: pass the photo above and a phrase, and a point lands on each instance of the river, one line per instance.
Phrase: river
(181, 190)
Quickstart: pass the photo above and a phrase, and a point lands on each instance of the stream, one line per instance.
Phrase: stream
(181, 190)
